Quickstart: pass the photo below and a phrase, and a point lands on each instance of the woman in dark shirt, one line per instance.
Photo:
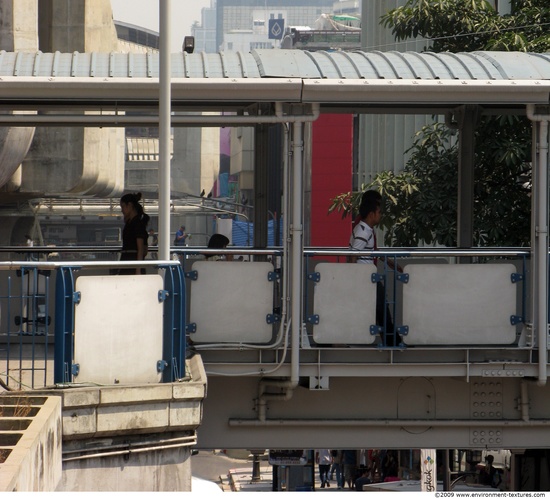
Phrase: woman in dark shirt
(134, 234)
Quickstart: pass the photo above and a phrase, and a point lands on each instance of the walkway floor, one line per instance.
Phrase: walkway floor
(240, 480)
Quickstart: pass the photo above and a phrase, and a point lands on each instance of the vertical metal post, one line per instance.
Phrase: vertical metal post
(260, 187)
(468, 118)
(297, 235)
(539, 244)
(164, 130)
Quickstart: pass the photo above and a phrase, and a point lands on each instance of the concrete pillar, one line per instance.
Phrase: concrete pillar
(18, 31)
(79, 161)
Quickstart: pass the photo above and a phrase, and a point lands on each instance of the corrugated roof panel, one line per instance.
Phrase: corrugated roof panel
(102, 62)
(249, 61)
(24, 63)
(81, 64)
(44, 64)
(345, 65)
(455, 70)
(383, 67)
(423, 65)
(326, 64)
(401, 64)
(120, 65)
(195, 67)
(483, 69)
(365, 65)
(138, 66)
(238, 65)
(178, 65)
(284, 64)
(518, 65)
(472, 66)
(63, 64)
(215, 66)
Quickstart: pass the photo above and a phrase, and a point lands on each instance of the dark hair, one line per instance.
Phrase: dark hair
(133, 198)
(218, 241)
(370, 202)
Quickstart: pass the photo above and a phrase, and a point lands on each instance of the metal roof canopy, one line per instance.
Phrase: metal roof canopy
(112, 84)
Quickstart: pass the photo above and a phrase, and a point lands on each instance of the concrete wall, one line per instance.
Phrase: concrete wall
(131, 438)
(160, 468)
(34, 461)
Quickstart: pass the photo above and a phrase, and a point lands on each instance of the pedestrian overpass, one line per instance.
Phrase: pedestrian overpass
(292, 356)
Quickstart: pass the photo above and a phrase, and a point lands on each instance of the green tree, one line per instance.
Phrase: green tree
(422, 200)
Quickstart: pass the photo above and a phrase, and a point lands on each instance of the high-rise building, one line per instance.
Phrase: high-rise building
(234, 15)
(205, 32)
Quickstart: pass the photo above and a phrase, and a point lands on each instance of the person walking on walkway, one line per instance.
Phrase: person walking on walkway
(323, 458)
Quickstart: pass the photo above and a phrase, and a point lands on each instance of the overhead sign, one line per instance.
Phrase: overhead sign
(287, 457)
(276, 29)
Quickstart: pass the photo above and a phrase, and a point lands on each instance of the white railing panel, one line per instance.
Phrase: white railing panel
(345, 301)
(463, 304)
(118, 329)
(230, 302)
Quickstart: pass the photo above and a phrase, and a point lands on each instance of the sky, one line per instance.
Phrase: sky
(145, 13)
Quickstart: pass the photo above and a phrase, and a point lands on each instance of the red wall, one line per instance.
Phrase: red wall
(332, 161)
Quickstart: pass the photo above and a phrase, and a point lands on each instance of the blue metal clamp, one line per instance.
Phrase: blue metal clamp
(192, 274)
(191, 328)
(163, 295)
(516, 319)
(272, 318)
(377, 277)
(403, 277)
(403, 330)
(374, 330)
(314, 276)
(273, 276)
(515, 277)
(313, 319)
(161, 365)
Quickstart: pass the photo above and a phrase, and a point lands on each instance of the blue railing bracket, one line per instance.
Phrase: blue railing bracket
(516, 277)
(192, 274)
(516, 319)
(161, 365)
(402, 277)
(272, 318)
(313, 319)
(75, 369)
(375, 329)
(403, 330)
(314, 276)
(163, 295)
(77, 296)
(191, 328)
(273, 276)
(377, 277)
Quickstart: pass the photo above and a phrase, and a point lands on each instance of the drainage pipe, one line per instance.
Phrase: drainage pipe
(460, 423)
(111, 120)
(296, 297)
(130, 451)
(540, 244)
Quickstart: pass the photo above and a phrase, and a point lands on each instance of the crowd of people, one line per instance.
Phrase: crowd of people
(352, 469)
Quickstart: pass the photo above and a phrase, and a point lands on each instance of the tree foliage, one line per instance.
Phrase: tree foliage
(421, 201)
(468, 25)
